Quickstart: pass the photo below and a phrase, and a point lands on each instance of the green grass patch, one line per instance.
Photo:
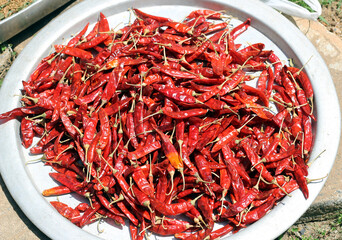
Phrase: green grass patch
(302, 4)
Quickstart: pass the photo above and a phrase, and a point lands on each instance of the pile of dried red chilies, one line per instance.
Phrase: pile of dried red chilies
(156, 120)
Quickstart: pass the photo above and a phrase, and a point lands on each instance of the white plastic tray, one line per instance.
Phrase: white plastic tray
(26, 182)
(26, 17)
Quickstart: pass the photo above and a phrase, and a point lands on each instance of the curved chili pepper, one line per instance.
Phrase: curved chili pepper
(144, 15)
(89, 98)
(77, 38)
(73, 51)
(308, 136)
(225, 137)
(166, 230)
(170, 209)
(238, 30)
(193, 138)
(242, 204)
(175, 93)
(142, 183)
(114, 108)
(15, 113)
(65, 210)
(184, 114)
(56, 191)
(203, 168)
(209, 14)
(27, 132)
(93, 42)
(259, 166)
(258, 212)
(304, 80)
(169, 150)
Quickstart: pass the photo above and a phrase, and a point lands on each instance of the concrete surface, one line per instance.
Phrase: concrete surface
(15, 225)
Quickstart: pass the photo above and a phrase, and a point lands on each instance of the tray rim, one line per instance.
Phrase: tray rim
(24, 18)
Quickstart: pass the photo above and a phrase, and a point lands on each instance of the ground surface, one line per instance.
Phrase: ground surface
(329, 229)
(324, 229)
(9, 7)
(332, 17)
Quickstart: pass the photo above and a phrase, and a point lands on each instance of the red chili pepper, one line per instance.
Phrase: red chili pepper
(87, 215)
(235, 32)
(216, 27)
(301, 180)
(259, 93)
(93, 42)
(105, 129)
(56, 191)
(174, 93)
(199, 51)
(103, 24)
(203, 168)
(224, 138)
(73, 51)
(134, 231)
(77, 38)
(142, 125)
(27, 132)
(142, 183)
(308, 136)
(89, 98)
(117, 219)
(193, 138)
(242, 204)
(144, 15)
(221, 232)
(112, 109)
(304, 80)
(169, 150)
(161, 188)
(209, 14)
(174, 47)
(170, 209)
(256, 163)
(277, 69)
(206, 205)
(237, 184)
(258, 212)
(184, 114)
(15, 113)
(72, 184)
(179, 27)
(65, 210)
(68, 124)
(256, 108)
(166, 230)
(201, 29)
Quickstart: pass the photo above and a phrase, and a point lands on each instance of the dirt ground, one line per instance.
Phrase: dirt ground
(331, 17)
(9, 7)
(328, 230)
